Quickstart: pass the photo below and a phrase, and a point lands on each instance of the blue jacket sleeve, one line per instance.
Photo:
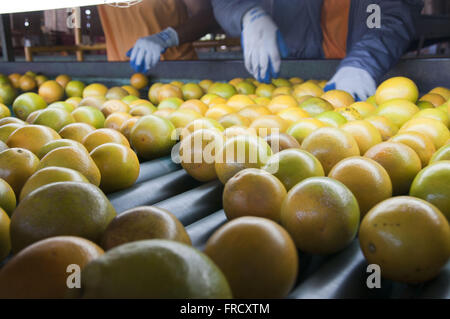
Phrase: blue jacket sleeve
(229, 14)
(376, 50)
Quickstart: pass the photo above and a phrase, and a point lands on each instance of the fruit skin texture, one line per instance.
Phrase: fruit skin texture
(102, 136)
(74, 158)
(321, 214)
(395, 88)
(40, 270)
(50, 175)
(432, 184)
(407, 237)
(257, 256)
(365, 134)
(153, 269)
(7, 198)
(118, 165)
(152, 136)
(61, 209)
(400, 161)
(420, 143)
(291, 166)
(76, 131)
(51, 91)
(253, 192)
(141, 223)
(366, 179)
(442, 154)
(5, 242)
(26, 103)
(16, 166)
(399, 111)
(330, 145)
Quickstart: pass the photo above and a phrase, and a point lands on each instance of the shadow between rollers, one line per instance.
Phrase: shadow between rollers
(195, 204)
(201, 230)
(153, 191)
(156, 168)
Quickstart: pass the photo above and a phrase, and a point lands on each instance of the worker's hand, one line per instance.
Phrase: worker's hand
(147, 50)
(263, 44)
(355, 81)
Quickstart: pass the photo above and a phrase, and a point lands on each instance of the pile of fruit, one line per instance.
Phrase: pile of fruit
(303, 170)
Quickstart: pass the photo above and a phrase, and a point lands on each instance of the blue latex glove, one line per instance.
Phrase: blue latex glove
(263, 45)
(355, 81)
(147, 50)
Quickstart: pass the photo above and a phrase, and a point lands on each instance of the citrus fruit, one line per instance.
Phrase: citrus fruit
(153, 269)
(116, 93)
(102, 136)
(76, 131)
(253, 192)
(316, 105)
(281, 141)
(95, 89)
(364, 133)
(399, 111)
(245, 87)
(338, 98)
(281, 102)
(152, 136)
(33, 115)
(238, 130)
(16, 166)
(265, 90)
(7, 94)
(419, 142)
(40, 79)
(141, 110)
(11, 120)
(66, 106)
(115, 120)
(139, 80)
(51, 91)
(303, 128)
(95, 101)
(41, 270)
(14, 78)
(167, 91)
(191, 91)
(263, 265)
(5, 242)
(7, 129)
(400, 161)
(233, 119)
(195, 105)
(50, 146)
(63, 79)
(291, 166)
(384, 125)
(54, 118)
(198, 151)
(32, 137)
(436, 114)
(349, 113)
(307, 88)
(331, 118)
(224, 90)
(217, 101)
(431, 184)
(141, 223)
(205, 84)
(74, 158)
(129, 98)
(434, 98)
(153, 93)
(365, 178)
(296, 80)
(407, 237)
(321, 214)
(7, 198)
(50, 175)
(26, 103)
(131, 91)
(118, 165)
(240, 152)
(111, 106)
(171, 103)
(81, 210)
(89, 115)
(252, 112)
(330, 145)
(269, 124)
(128, 125)
(182, 117)
(442, 154)
(74, 89)
(292, 114)
(282, 90)
(442, 91)
(239, 101)
(27, 83)
(424, 105)
(434, 129)
(364, 108)
(199, 124)
(164, 113)
(397, 88)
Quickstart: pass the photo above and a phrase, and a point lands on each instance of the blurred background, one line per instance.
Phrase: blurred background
(45, 36)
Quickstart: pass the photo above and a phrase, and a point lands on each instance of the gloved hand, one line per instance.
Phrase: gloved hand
(263, 44)
(355, 81)
(147, 50)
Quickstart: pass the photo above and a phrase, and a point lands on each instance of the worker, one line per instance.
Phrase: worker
(153, 29)
(312, 29)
